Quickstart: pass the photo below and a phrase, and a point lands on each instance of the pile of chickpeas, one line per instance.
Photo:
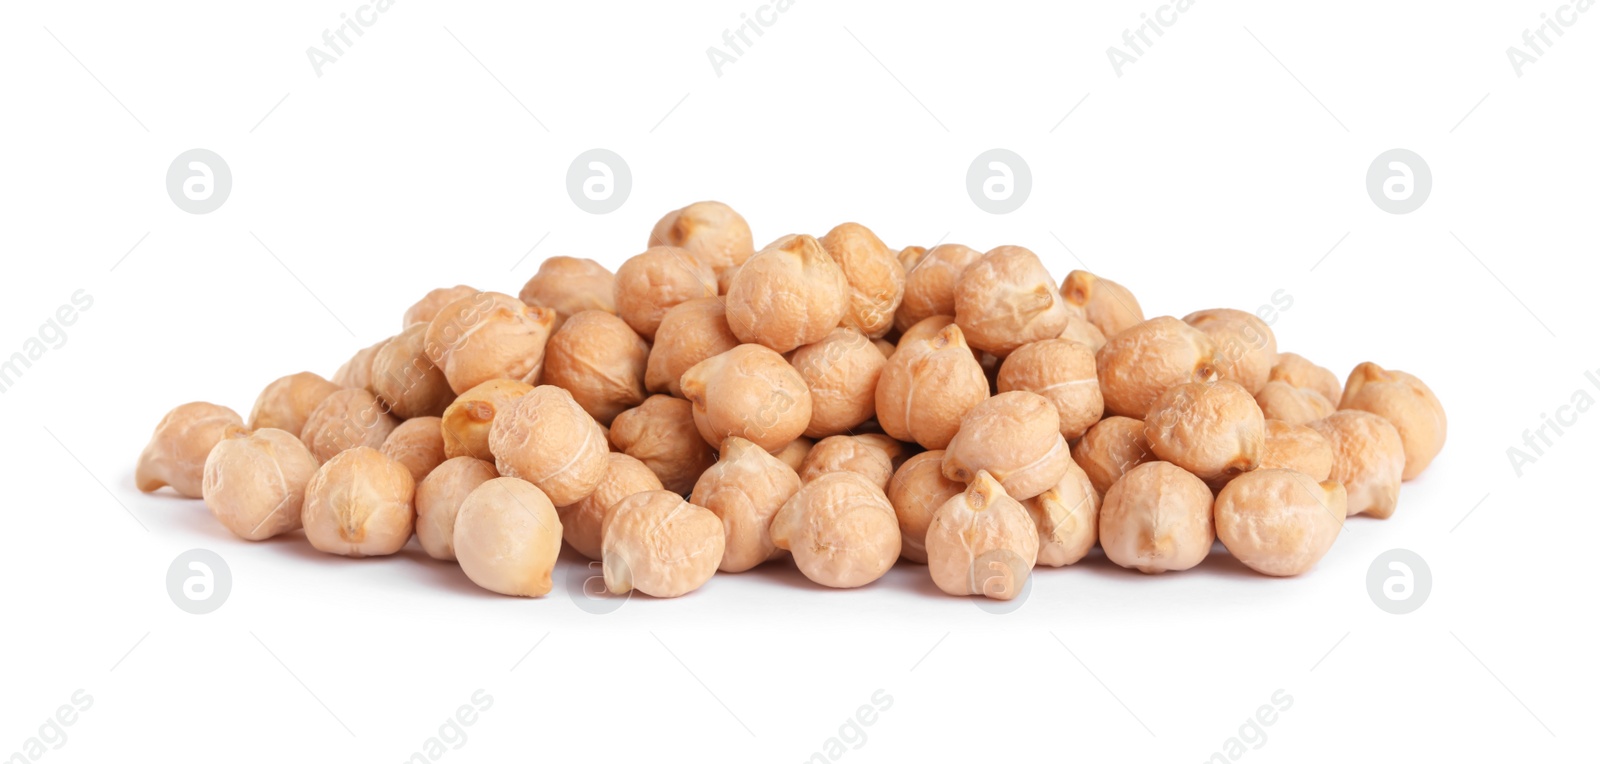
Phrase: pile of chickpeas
(713, 407)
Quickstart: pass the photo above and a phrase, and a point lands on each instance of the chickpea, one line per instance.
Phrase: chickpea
(925, 330)
(871, 456)
(1063, 372)
(466, 422)
(745, 488)
(287, 401)
(357, 372)
(908, 257)
(787, 295)
(873, 275)
(1281, 400)
(840, 529)
(661, 432)
(1067, 516)
(982, 542)
(255, 482)
(1137, 365)
(359, 504)
(884, 347)
(177, 451)
(569, 286)
(431, 303)
(581, 522)
(712, 232)
(916, 491)
(659, 544)
(650, 283)
(1407, 403)
(751, 392)
(597, 358)
(690, 332)
(1368, 458)
(1081, 331)
(1157, 518)
(489, 336)
(1279, 522)
(1006, 299)
(1245, 349)
(931, 283)
(347, 419)
(406, 379)
(547, 439)
(1107, 304)
(1297, 447)
(439, 498)
(796, 452)
(1213, 429)
(1111, 448)
(842, 372)
(507, 537)
(927, 387)
(1299, 372)
(417, 444)
(1016, 438)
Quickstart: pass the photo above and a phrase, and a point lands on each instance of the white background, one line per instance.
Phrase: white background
(1207, 175)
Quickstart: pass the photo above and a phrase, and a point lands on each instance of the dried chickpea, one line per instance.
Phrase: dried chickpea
(1137, 365)
(424, 310)
(1213, 429)
(871, 456)
(885, 347)
(650, 283)
(1110, 448)
(908, 257)
(690, 332)
(347, 419)
(659, 544)
(439, 498)
(874, 277)
(176, 453)
(417, 444)
(787, 295)
(547, 439)
(466, 422)
(1006, 299)
(1279, 522)
(931, 283)
(1299, 372)
(916, 491)
(1105, 303)
(598, 358)
(1297, 447)
(489, 336)
(1157, 518)
(1407, 403)
(1067, 516)
(982, 541)
(1081, 331)
(581, 522)
(927, 387)
(661, 432)
(1016, 438)
(255, 482)
(1063, 372)
(357, 372)
(712, 231)
(287, 401)
(840, 529)
(1244, 347)
(841, 371)
(749, 391)
(569, 286)
(925, 330)
(359, 504)
(745, 488)
(1368, 458)
(406, 379)
(796, 452)
(507, 537)
(1296, 405)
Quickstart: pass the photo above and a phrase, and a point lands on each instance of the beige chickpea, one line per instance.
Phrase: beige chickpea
(569, 286)
(349, 418)
(177, 451)
(581, 523)
(661, 432)
(1138, 364)
(745, 489)
(916, 491)
(287, 401)
(931, 283)
(1296, 447)
(1081, 331)
(357, 372)
(842, 372)
(1016, 438)
(712, 231)
(489, 336)
(425, 309)
(1213, 429)
(885, 347)
(1279, 522)
(1067, 516)
(439, 498)
(927, 387)
(840, 529)
(1157, 518)
(1368, 458)
(690, 332)
(601, 361)
(1063, 372)
(406, 379)
(1105, 303)
(547, 439)
(1244, 348)
(908, 257)
(982, 541)
(466, 422)
(417, 444)
(874, 277)
(359, 504)
(1006, 299)
(871, 456)
(255, 482)
(794, 454)
(1407, 403)
(507, 537)
(1296, 405)
(749, 391)
(787, 295)
(650, 283)
(1110, 448)
(659, 544)
(1297, 371)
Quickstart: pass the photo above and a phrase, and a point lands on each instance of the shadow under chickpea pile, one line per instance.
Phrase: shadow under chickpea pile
(713, 407)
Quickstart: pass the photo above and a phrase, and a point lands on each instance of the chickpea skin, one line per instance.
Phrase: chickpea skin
(1016, 438)
(787, 295)
(1063, 372)
(796, 452)
(547, 439)
(177, 451)
(874, 278)
(287, 401)
(927, 387)
(931, 284)
(1109, 306)
(661, 432)
(489, 336)
(1081, 331)
(601, 361)
(840, 529)
(1279, 522)
(1368, 458)
(1067, 516)
(581, 523)
(1157, 518)
(255, 482)
(425, 309)
(1245, 349)
(871, 456)
(916, 491)
(1006, 299)
(1297, 447)
(1297, 371)
(357, 372)
(466, 422)
(712, 232)
(569, 286)
(842, 372)
(1212, 429)
(349, 418)
(745, 489)
(1109, 449)
(406, 379)
(1407, 403)
(659, 544)
(650, 283)
(359, 504)
(439, 498)
(1281, 400)
(749, 391)
(507, 538)
(417, 444)
(982, 541)
(690, 332)
(1137, 365)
